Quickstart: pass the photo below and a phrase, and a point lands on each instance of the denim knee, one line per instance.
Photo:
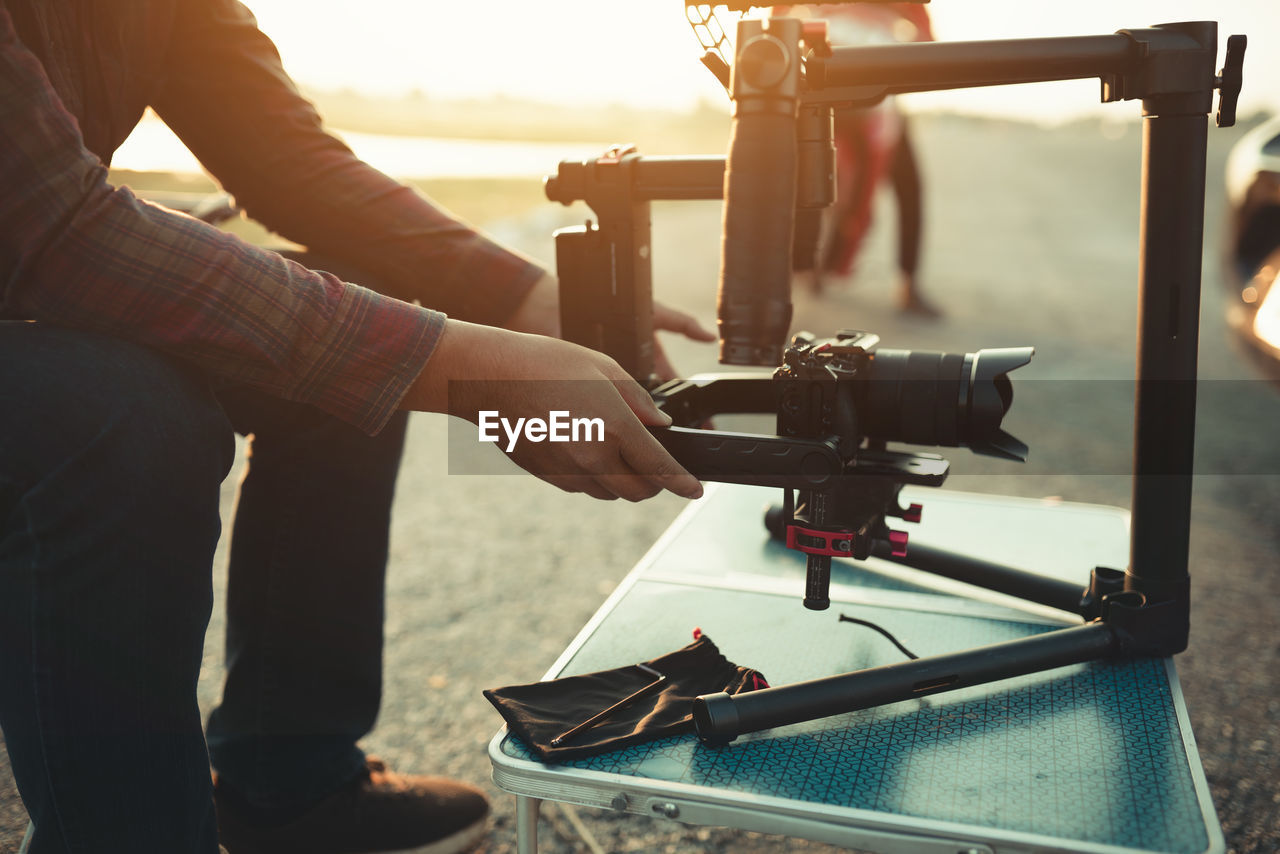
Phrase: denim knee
(131, 413)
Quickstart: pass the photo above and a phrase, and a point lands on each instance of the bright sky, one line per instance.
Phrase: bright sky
(594, 51)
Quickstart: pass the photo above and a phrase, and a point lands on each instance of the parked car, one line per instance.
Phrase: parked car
(1252, 259)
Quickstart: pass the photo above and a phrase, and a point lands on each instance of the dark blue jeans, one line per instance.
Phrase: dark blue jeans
(111, 457)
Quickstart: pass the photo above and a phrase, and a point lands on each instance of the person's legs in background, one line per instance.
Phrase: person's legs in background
(858, 167)
(904, 174)
(111, 456)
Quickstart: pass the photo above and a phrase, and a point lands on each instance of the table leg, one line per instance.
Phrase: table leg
(527, 824)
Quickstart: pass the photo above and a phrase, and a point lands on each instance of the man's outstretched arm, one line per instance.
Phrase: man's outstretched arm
(77, 252)
(228, 97)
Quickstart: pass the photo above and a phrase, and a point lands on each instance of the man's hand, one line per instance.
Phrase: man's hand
(539, 314)
(528, 376)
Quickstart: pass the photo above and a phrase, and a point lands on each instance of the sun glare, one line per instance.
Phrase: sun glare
(586, 55)
(593, 53)
(567, 51)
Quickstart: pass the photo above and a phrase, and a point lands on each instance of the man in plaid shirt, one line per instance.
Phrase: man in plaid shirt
(133, 340)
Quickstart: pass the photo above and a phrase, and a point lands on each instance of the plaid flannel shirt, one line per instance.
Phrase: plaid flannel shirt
(78, 252)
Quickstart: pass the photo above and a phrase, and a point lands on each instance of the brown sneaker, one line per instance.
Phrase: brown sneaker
(381, 811)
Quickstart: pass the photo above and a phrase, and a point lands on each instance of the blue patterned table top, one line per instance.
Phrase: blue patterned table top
(1090, 757)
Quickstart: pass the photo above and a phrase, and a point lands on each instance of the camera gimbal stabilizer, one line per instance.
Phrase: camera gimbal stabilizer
(839, 401)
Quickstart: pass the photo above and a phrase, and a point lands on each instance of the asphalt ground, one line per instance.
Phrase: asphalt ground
(1031, 239)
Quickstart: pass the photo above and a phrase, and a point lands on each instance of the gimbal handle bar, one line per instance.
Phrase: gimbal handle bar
(1128, 624)
(926, 66)
(720, 717)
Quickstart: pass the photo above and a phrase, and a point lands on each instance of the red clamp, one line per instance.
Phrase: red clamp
(898, 543)
(911, 513)
(837, 543)
(833, 543)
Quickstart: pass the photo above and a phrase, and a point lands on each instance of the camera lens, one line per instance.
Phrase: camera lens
(924, 397)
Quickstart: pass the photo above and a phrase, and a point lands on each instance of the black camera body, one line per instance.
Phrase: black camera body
(847, 386)
(838, 402)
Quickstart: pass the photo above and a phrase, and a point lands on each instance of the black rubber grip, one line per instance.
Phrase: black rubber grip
(754, 303)
(729, 457)
(817, 583)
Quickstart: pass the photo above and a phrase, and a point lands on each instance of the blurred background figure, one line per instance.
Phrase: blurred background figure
(872, 144)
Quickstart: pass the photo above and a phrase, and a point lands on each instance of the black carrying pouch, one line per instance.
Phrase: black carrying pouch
(547, 712)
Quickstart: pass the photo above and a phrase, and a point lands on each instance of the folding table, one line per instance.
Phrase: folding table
(1096, 757)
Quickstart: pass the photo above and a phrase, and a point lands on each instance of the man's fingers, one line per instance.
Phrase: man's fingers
(585, 484)
(638, 399)
(595, 490)
(670, 320)
(632, 487)
(647, 456)
(630, 463)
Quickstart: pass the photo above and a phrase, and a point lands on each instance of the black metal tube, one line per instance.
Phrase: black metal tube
(923, 66)
(648, 178)
(816, 158)
(1054, 592)
(753, 304)
(1171, 239)
(679, 178)
(720, 718)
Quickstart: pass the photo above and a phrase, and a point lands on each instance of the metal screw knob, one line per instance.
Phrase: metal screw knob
(1229, 81)
(763, 62)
